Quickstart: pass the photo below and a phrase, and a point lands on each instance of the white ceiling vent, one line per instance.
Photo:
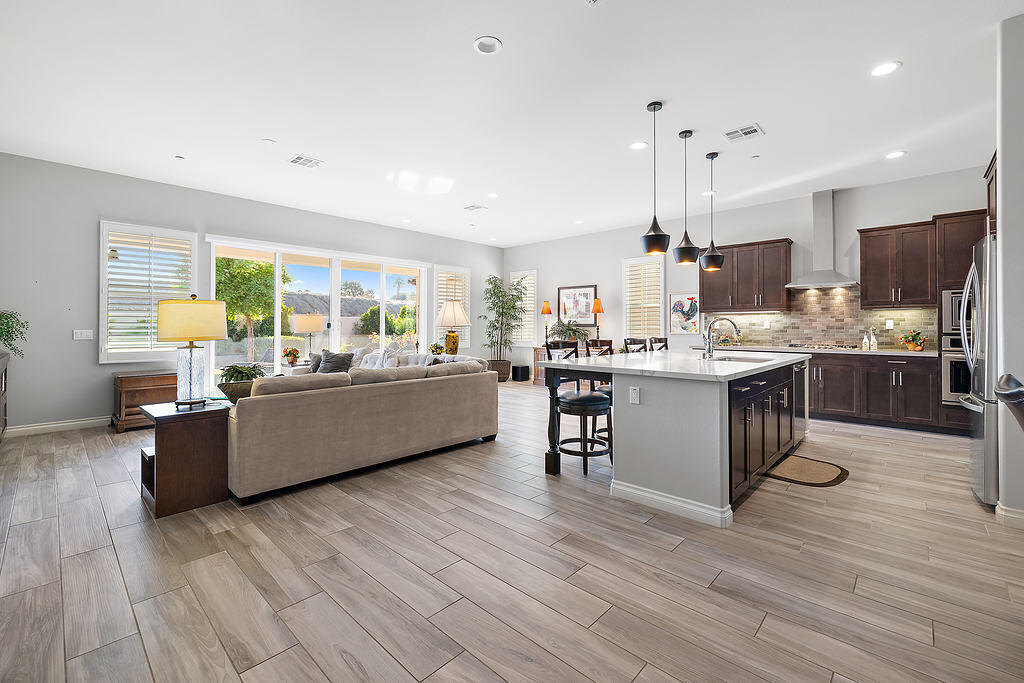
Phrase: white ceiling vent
(307, 162)
(744, 132)
(474, 207)
(593, 3)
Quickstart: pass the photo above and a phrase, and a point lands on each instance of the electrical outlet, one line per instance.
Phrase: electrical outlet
(634, 395)
(82, 335)
(889, 324)
(767, 324)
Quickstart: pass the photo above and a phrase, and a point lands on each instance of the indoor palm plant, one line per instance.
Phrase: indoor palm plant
(505, 304)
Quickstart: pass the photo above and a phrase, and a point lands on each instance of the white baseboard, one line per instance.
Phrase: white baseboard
(684, 507)
(1011, 517)
(59, 426)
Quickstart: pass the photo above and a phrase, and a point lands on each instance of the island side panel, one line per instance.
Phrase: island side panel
(671, 450)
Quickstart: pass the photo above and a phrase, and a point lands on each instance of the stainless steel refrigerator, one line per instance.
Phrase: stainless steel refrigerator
(978, 332)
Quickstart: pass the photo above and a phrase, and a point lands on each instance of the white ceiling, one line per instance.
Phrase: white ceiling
(380, 87)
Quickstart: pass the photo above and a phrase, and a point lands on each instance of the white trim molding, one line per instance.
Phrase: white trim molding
(59, 426)
(1011, 517)
(691, 509)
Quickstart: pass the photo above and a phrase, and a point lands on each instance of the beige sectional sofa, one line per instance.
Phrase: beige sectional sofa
(297, 429)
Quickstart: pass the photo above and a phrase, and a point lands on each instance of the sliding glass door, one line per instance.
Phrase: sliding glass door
(306, 301)
(402, 291)
(245, 283)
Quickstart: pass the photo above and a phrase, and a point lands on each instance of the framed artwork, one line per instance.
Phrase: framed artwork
(683, 313)
(577, 303)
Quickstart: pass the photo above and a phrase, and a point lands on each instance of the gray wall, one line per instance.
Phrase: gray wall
(597, 258)
(1010, 247)
(49, 266)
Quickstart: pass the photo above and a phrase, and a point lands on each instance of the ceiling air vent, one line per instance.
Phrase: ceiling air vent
(307, 162)
(474, 207)
(744, 133)
(593, 3)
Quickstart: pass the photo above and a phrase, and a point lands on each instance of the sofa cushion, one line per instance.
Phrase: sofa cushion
(264, 386)
(335, 362)
(465, 367)
(374, 375)
(314, 362)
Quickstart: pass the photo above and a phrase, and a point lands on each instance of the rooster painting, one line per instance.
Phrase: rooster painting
(683, 314)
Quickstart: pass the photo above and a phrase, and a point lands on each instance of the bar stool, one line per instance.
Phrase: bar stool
(601, 347)
(634, 344)
(658, 344)
(582, 404)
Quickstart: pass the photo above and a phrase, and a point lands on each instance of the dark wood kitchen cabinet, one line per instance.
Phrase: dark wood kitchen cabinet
(754, 278)
(897, 266)
(917, 393)
(835, 385)
(761, 420)
(955, 236)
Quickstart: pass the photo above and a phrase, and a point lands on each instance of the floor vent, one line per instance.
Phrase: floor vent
(307, 162)
(744, 132)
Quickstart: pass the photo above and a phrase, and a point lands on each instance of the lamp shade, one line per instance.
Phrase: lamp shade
(598, 306)
(452, 314)
(191, 320)
(307, 323)
(545, 308)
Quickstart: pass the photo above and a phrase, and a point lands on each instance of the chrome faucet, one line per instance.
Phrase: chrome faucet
(709, 339)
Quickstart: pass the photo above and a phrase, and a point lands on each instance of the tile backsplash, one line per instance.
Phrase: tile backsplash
(833, 316)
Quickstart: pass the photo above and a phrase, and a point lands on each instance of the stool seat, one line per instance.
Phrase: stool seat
(604, 389)
(591, 399)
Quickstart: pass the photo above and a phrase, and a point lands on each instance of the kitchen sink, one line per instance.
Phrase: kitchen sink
(740, 359)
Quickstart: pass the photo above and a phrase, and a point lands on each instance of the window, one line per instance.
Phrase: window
(643, 284)
(244, 281)
(452, 282)
(526, 335)
(141, 266)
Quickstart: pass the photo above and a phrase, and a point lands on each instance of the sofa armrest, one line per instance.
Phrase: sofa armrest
(300, 370)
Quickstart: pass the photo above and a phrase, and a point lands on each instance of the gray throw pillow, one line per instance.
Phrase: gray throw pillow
(314, 362)
(334, 362)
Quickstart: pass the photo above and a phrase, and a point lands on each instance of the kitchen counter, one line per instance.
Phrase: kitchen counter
(687, 365)
(927, 353)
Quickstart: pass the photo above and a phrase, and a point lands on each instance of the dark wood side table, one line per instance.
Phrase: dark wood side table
(136, 388)
(188, 467)
(4, 358)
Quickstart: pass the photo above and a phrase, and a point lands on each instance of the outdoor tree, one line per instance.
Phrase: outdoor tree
(354, 288)
(247, 290)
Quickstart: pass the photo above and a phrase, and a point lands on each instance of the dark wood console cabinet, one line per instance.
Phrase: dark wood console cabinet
(133, 389)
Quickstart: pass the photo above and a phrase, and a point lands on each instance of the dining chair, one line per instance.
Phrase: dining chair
(658, 344)
(634, 344)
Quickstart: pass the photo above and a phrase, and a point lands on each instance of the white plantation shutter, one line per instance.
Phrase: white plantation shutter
(527, 332)
(642, 291)
(139, 267)
(451, 282)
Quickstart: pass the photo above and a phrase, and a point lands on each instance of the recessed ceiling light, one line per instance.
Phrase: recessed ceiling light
(268, 141)
(492, 195)
(896, 155)
(638, 145)
(886, 68)
(494, 239)
(709, 193)
(179, 157)
(439, 185)
(578, 222)
(472, 225)
(405, 220)
(487, 45)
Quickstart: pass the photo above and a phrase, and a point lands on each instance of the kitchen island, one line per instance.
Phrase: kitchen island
(690, 438)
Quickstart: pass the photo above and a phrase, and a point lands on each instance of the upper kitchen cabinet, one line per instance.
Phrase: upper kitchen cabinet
(955, 235)
(753, 278)
(990, 183)
(897, 266)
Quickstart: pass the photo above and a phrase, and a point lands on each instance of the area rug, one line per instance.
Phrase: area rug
(800, 470)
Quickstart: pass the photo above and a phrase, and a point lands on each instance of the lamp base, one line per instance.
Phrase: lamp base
(451, 342)
(191, 376)
(190, 405)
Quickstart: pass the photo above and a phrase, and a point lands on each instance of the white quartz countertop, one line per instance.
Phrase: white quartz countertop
(804, 349)
(679, 364)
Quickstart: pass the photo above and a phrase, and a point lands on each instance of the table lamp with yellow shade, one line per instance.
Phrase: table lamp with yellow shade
(191, 320)
(545, 310)
(308, 324)
(452, 315)
(598, 310)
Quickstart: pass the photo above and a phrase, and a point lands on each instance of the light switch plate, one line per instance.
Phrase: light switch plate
(634, 395)
(889, 324)
(767, 324)
(82, 335)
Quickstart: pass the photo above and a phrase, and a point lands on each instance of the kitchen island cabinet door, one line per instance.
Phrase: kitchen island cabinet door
(739, 479)
(839, 387)
(716, 287)
(755, 436)
(771, 410)
(918, 393)
(746, 278)
(915, 284)
(878, 269)
(787, 409)
(878, 391)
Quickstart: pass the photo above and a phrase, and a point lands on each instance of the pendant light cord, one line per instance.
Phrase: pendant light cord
(712, 201)
(654, 147)
(686, 142)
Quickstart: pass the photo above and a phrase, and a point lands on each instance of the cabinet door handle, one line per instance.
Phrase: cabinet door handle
(730, 300)
(768, 405)
(899, 294)
(894, 378)
(785, 398)
(898, 362)
(759, 383)
(892, 294)
(741, 388)
(750, 413)
(901, 378)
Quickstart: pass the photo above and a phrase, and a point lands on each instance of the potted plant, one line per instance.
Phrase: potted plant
(12, 330)
(291, 354)
(236, 380)
(913, 340)
(505, 303)
(568, 330)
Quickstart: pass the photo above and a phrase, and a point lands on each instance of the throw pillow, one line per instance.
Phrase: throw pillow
(437, 361)
(359, 354)
(389, 359)
(335, 362)
(314, 362)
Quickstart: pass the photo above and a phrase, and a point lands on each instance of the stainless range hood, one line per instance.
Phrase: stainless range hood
(823, 249)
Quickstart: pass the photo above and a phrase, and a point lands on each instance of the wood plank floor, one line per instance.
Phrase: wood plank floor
(471, 564)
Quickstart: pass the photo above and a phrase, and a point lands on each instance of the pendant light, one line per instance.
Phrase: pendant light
(655, 240)
(687, 252)
(712, 259)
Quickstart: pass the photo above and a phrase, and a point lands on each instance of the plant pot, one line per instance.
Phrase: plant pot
(502, 367)
(236, 390)
(292, 361)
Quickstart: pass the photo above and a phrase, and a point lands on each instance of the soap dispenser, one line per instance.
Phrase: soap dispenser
(874, 340)
(865, 344)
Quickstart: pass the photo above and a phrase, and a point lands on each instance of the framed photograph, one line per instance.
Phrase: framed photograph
(577, 303)
(683, 313)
